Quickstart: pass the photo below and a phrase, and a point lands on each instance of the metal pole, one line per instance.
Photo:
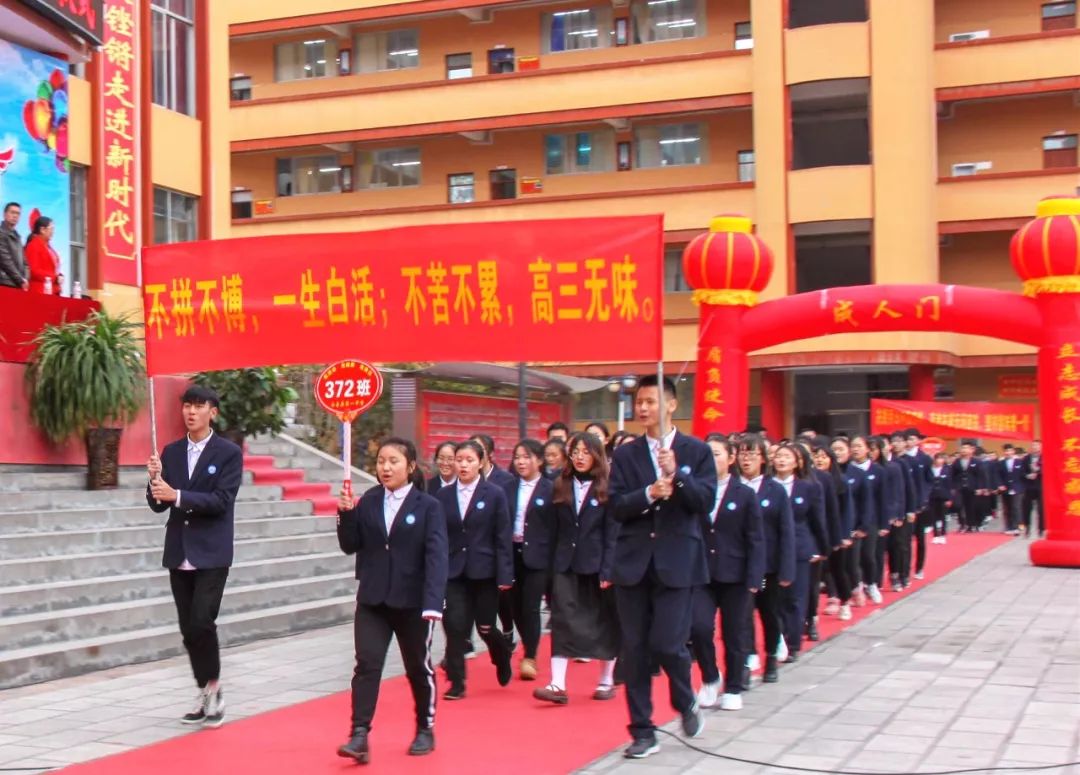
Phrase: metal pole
(622, 413)
(346, 454)
(663, 399)
(523, 406)
(153, 417)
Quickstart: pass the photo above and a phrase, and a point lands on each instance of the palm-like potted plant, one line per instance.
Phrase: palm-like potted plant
(253, 401)
(87, 378)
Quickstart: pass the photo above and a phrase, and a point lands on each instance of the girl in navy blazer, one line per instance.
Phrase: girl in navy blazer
(811, 538)
(836, 567)
(398, 534)
(779, 567)
(865, 451)
(444, 468)
(735, 545)
(481, 564)
(831, 494)
(529, 498)
(860, 497)
(941, 496)
(583, 619)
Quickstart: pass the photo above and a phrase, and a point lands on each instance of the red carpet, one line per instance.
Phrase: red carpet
(494, 729)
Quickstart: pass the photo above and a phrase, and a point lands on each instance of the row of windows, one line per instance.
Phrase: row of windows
(172, 24)
(668, 145)
(571, 30)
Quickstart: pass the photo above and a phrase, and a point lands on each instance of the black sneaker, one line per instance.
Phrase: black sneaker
(357, 747)
(423, 743)
(812, 630)
(198, 712)
(747, 678)
(505, 671)
(215, 709)
(693, 721)
(455, 693)
(771, 673)
(642, 747)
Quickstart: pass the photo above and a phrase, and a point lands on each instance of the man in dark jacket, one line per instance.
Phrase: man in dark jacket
(12, 263)
(196, 480)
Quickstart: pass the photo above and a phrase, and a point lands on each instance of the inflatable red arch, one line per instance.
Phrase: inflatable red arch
(729, 265)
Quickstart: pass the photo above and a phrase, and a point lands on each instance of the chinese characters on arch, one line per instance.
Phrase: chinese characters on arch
(980, 419)
(561, 290)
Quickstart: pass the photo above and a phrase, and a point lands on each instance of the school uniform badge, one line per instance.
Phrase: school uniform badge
(685, 469)
(800, 500)
(480, 505)
(211, 470)
(410, 519)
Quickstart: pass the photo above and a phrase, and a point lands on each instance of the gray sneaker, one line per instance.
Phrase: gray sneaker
(198, 712)
(215, 709)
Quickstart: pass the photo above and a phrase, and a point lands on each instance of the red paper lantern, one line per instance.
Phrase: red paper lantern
(1046, 250)
(728, 258)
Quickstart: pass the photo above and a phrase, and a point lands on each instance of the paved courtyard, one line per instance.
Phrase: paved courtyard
(979, 669)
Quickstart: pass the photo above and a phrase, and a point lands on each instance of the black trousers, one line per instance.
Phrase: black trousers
(767, 603)
(655, 621)
(936, 512)
(733, 602)
(1032, 498)
(969, 509)
(923, 522)
(838, 574)
(525, 600)
(900, 552)
(882, 545)
(373, 627)
(793, 602)
(197, 594)
(1013, 506)
(470, 601)
(813, 590)
(868, 557)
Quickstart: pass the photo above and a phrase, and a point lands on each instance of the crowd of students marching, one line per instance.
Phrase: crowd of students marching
(577, 526)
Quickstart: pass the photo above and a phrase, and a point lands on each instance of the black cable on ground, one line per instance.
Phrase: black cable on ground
(1018, 768)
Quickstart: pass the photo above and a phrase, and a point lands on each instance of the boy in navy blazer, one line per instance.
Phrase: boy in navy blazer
(660, 488)
(196, 480)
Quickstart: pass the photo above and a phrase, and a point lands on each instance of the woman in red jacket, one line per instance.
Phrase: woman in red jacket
(42, 260)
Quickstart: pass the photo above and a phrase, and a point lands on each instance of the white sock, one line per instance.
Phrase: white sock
(558, 672)
(607, 674)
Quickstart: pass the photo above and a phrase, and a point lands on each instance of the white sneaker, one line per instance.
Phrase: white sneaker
(215, 708)
(753, 662)
(874, 593)
(845, 613)
(708, 695)
(943, 541)
(920, 575)
(731, 702)
(782, 650)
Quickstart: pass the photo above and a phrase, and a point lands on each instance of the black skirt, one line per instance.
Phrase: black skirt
(583, 619)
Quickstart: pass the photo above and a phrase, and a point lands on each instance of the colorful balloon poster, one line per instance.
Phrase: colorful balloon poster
(34, 143)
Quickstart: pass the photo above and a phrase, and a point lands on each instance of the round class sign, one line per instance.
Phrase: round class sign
(348, 388)
(932, 445)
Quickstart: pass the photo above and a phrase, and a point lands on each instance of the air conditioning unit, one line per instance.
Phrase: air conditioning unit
(971, 168)
(960, 37)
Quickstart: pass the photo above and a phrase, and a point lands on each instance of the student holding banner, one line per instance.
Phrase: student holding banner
(398, 534)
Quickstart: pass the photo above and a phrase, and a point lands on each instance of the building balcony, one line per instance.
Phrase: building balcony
(848, 46)
(521, 98)
(1001, 196)
(987, 62)
(830, 194)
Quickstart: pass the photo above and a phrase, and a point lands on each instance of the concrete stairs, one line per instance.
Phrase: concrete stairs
(81, 583)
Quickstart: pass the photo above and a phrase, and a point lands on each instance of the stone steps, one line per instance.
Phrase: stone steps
(70, 593)
(54, 660)
(63, 500)
(99, 620)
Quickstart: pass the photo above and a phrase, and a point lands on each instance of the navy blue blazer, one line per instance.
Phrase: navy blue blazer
(1032, 472)
(808, 512)
(779, 527)
(831, 501)
(897, 490)
(481, 543)
(919, 465)
(1012, 481)
(973, 478)
(735, 538)
(941, 484)
(434, 484)
(500, 477)
(407, 568)
(201, 528)
(538, 545)
(666, 533)
(585, 540)
(861, 490)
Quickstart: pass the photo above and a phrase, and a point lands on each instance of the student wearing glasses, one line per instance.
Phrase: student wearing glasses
(445, 471)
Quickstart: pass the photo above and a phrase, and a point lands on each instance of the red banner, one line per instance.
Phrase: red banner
(120, 174)
(578, 289)
(979, 419)
(1018, 386)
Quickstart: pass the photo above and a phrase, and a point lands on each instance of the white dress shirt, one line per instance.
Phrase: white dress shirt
(194, 452)
(721, 488)
(863, 466)
(464, 495)
(581, 490)
(754, 484)
(525, 493)
(788, 484)
(392, 500)
(654, 453)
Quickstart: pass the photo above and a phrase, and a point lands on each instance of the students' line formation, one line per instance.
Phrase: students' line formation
(636, 544)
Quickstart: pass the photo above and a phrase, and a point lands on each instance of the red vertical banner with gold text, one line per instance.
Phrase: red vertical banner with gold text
(117, 156)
